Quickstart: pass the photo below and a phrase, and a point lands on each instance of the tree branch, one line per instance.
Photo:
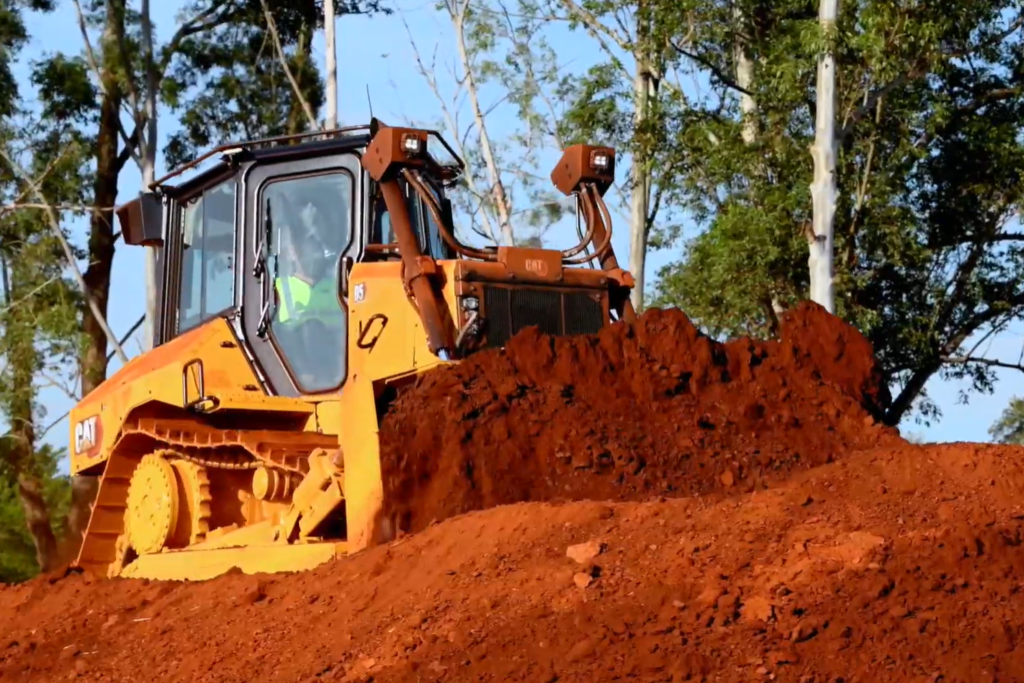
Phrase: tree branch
(272, 26)
(964, 360)
(123, 340)
(497, 190)
(68, 253)
(459, 140)
(715, 71)
(201, 22)
(90, 55)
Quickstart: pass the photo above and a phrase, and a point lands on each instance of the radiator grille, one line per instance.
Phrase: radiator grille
(558, 313)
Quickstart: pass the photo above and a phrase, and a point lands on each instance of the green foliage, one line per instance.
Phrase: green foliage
(1009, 428)
(228, 83)
(605, 106)
(17, 552)
(929, 171)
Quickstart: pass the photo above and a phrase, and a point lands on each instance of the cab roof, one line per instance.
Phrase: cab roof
(294, 147)
(284, 148)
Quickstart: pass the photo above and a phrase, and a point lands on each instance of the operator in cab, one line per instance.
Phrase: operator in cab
(310, 321)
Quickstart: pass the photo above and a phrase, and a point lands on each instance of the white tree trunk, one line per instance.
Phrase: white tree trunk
(823, 189)
(498, 194)
(639, 204)
(149, 168)
(745, 79)
(332, 66)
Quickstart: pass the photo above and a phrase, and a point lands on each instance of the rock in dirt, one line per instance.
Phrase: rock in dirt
(582, 580)
(584, 553)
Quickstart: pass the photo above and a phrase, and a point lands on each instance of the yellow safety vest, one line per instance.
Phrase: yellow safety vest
(298, 300)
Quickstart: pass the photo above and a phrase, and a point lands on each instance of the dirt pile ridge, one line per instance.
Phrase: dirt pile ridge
(630, 413)
(899, 565)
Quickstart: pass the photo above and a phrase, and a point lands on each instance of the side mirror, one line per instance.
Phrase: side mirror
(142, 220)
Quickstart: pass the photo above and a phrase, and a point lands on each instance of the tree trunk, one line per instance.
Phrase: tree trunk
(744, 79)
(22, 452)
(823, 189)
(498, 194)
(93, 358)
(37, 518)
(297, 118)
(332, 66)
(640, 194)
(149, 164)
(22, 357)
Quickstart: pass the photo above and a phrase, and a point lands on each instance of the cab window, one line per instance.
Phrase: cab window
(427, 233)
(208, 256)
(308, 223)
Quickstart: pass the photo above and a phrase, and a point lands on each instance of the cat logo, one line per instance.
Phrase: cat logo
(87, 435)
(537, 266)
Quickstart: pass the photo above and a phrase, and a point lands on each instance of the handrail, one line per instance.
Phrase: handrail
(413, 178)
(591, 199)
(334, 132)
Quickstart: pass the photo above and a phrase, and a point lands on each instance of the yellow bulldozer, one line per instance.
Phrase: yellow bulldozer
(302, 280)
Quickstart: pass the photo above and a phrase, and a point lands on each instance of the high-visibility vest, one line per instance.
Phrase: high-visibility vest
(298, 300)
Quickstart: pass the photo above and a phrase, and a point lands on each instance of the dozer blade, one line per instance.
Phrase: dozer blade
(202, 565)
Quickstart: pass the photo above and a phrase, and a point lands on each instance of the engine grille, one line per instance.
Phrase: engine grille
(558, 313)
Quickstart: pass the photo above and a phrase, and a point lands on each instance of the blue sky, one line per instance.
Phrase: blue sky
(375, 52)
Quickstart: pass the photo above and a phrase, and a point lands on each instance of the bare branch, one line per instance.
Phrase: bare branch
(61, 386)
(275, 36)
(501, 200)
(124, 339)
(964, 360)
(595, 29)
(201, 22)
(452, 126)
(715, 71)
(590, 20)
(68, 253)
(75, 208)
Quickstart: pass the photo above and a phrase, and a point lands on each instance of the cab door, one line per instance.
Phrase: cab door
(304, 232)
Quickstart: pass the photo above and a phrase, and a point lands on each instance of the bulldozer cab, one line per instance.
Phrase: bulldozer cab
(265, 239)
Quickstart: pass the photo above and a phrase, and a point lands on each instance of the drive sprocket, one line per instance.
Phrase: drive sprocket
(168, 503)
(153, 502)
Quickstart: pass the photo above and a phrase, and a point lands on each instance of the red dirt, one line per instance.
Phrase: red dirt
(893, 562)
(658, 409)
(894, 565)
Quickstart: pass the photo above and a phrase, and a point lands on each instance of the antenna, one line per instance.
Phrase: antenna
(368, 100)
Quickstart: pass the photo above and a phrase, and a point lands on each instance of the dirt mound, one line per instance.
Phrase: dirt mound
(899, 565)
(635, 411)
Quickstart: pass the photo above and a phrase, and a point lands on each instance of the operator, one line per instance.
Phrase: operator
(309, 290)
(309, 313)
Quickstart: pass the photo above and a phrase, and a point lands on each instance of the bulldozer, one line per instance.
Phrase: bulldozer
(302, 282)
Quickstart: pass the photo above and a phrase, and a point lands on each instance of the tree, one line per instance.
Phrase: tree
(823, 152)
(928, 168)
(633, 100)
(39, 322)
(17, 550)
(250, 77)
(38, 333)
(1009, 428)
(501, 65)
